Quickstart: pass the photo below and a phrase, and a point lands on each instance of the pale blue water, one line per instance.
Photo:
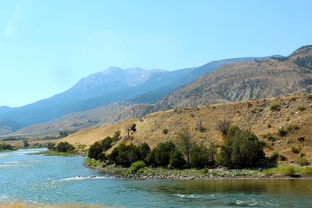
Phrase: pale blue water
(55, 180)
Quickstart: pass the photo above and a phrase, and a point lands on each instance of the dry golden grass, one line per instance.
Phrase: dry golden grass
(20, 205)
(255, 115)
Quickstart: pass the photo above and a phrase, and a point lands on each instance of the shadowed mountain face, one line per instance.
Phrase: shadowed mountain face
(98, 90)
(4, 109)
(8, 126)
(270, 77)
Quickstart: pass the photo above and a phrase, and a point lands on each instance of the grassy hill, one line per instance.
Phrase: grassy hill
(265, 117)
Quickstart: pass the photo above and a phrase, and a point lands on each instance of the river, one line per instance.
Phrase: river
(58, 180)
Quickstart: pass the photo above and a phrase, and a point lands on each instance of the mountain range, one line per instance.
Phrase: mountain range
(117, 94)
(128, 86)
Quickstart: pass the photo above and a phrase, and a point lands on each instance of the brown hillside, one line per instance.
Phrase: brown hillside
(255, 115)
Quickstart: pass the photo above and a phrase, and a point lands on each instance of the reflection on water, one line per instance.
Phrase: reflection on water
(58, 180)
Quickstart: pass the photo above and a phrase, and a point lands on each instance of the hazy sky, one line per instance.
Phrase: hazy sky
(46, 46)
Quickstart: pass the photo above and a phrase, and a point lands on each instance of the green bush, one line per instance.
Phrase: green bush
(200, 157)
(275, 107)
(296, 149)
(282, 158)
(165, 154)
(125, 155)
(301, 108)
(136, 166)
(292, 128)
(106, 143)
(64, 147)
(96, 151)
(5, 147)
(242, 148)
(282, 132)
(302, 161)
(307, 171)
(165, 131)
(176, 160)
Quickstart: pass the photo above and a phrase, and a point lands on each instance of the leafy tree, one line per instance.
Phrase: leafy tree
(184, 143)
(223, 127)
(145, 150)
(176, 160)
(200, 156)
(166, 155)
(25, 143)
(106, 143)
(125, 155)
(242, 148)
(51, 146)
(96, 151)
(64, 147)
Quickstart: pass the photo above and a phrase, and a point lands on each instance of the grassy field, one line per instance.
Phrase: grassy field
(279, 127)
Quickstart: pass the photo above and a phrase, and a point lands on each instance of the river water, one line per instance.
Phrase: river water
(62, 180)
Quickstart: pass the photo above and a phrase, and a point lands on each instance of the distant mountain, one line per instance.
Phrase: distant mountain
(104, 109)
(107, 82)
(260, 78)
(269, 77)
(8, 126)
(4, 109)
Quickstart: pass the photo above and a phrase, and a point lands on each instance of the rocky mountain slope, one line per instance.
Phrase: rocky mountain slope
(151, 90)
(269, 77)
(292, 114)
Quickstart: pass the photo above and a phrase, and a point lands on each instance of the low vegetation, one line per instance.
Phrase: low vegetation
(6, 147)
(61, 149)
(241, 149)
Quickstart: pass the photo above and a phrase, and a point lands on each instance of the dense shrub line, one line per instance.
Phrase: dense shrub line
(241, 149)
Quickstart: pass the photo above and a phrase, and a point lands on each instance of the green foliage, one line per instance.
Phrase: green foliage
(96, 151)
(136, 166)
(4, 147)
(145, 150)
(165, 131)
(133, 128)
(162, 155)
(302, 161)
(25, 143)
(185, 143)
(282, 158)
(176, 160)
(64, 147)
(65, 133)
(200, 157)
(242, 148)
(283, 170)
(125, 155)
(106, 143)
(301, 108)
(223, 127)
(292, 128)
(282, 132)
(51, 146)
(269, 137)
(275, 107)
(269, 126)
(296, 149)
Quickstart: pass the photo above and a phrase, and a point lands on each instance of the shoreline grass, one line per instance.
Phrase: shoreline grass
(55, 153)
(282, 171)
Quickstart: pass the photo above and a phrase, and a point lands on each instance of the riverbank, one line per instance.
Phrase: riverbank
(147, 173)
(55, 153)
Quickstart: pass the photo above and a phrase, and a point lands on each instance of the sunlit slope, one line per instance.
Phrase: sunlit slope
(256, 115)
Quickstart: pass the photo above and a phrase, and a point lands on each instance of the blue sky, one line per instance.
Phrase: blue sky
(46, 46)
